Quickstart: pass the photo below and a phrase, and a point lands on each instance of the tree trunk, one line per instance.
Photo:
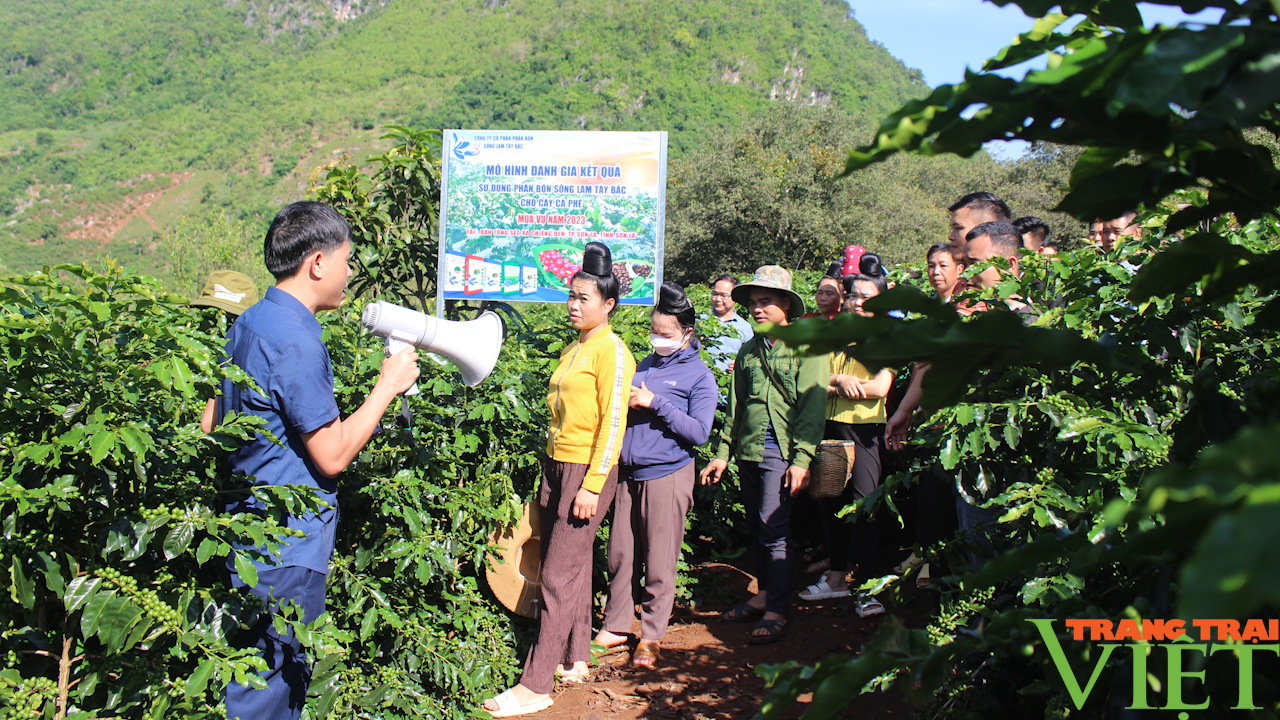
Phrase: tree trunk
(64, 676)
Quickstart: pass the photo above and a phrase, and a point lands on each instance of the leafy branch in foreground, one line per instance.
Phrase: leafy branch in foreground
(109, 536)
(1127, 437)
(1180, 99)
(1075, 452)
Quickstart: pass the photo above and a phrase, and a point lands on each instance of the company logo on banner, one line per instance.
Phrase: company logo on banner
(517, 208)
(1178, 673)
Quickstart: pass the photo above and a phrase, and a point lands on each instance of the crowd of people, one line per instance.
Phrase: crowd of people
(639, 448)
(623, 437)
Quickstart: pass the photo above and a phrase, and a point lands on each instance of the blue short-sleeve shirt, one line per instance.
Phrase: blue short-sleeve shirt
(278, 342)
(725, 348)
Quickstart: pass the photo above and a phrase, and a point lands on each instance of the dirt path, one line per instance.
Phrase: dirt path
(107, 220)
(143, 212)
(707, 668)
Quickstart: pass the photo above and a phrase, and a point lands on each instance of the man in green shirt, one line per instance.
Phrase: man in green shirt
(777, 409)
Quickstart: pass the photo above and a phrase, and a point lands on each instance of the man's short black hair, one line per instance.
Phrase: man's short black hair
(724, 278)
(983, 202)
(942, 247)
(1005, 238)
(1033, 225)
(298, 230)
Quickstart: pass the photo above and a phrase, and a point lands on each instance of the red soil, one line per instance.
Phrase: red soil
(707, 667)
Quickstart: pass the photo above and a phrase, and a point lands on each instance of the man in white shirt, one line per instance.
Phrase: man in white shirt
(724, 349)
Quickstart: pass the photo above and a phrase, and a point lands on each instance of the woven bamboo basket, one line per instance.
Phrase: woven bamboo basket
(829, 472)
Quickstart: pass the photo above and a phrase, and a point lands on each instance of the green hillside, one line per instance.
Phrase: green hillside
(119, 117)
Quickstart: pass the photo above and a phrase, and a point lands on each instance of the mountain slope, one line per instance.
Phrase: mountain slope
(227, 104)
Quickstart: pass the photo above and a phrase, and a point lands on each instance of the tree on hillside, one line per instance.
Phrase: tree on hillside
(95, 94)
(1125, 440)
(767, 192)
(215, 242)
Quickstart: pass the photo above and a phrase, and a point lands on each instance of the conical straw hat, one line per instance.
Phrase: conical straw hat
(516, 579)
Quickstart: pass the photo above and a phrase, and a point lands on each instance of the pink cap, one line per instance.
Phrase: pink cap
(852, 256)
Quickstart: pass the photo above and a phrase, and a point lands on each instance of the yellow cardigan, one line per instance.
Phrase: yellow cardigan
(853, 412)
(588, 399)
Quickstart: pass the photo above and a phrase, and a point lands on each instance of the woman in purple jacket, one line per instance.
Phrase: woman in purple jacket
(673, 402)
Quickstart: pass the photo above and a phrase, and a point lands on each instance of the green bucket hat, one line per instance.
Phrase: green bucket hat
(228, 290)
(771, 277)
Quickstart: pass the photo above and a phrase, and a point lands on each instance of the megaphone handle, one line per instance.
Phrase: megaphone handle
(394, 346)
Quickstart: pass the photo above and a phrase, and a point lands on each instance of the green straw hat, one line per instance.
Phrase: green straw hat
(771, 277)
(228, 290)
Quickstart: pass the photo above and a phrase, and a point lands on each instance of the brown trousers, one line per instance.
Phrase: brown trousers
(564, 626)
(644, 542)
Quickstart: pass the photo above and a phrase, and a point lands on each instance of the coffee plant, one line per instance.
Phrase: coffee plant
(115, 542)
(112, 529)
(1125, 439)
(113, 538)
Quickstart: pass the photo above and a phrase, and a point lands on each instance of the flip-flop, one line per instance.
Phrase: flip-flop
(572, 677)
(777, 630)
(647, 650)
(745, 612)
(923, 580)
(822, 591)
(510, 706)
(610, 648)
(912, 562)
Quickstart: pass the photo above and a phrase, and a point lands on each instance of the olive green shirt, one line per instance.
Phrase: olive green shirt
(797, 410)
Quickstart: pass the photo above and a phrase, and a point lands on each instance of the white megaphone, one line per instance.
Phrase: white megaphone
(472, 345)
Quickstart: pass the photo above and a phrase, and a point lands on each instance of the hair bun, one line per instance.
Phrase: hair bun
(870, 264)
(597, 260)
(834, 270)
(672, 299)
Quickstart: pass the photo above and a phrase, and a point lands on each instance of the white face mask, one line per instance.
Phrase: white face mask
(665, 346)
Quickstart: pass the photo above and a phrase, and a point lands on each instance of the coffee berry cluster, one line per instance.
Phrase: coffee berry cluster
(151, 603)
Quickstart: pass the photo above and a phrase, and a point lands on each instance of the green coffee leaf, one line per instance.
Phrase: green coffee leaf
(196, 682)
(101, 444)
(207, 548)
(178, 540)
(79, 591)
(246, 570)
(21, 587)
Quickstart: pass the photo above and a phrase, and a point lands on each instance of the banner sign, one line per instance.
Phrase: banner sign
(518, 206)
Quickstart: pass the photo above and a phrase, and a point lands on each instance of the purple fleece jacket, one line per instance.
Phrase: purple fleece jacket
(660, 439)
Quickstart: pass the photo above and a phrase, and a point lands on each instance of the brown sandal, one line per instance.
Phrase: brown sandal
(646, 654)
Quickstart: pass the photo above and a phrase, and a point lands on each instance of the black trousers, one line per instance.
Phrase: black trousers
(854, 546)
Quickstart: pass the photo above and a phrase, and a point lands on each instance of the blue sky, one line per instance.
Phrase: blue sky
(942, 37)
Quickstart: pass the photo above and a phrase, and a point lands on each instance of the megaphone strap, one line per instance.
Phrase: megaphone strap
(406, 420)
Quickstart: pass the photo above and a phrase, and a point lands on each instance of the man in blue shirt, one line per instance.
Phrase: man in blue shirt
(724, 349)
(278, 342)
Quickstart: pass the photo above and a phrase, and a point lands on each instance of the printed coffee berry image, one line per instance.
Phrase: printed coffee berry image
(627, 272)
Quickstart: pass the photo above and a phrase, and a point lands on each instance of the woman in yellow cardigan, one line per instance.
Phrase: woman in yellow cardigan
(855, 412)
(588, 398)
